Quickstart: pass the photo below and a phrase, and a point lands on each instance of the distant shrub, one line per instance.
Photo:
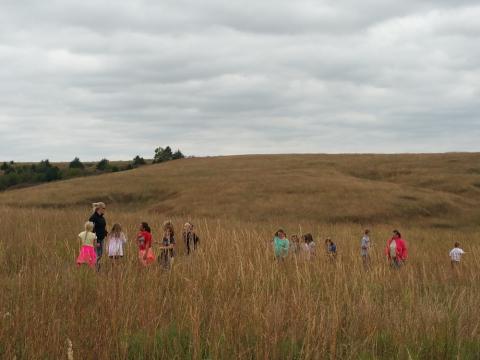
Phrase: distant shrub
(162, 155)
(138, 161)
(103, 165)
(178, 155)
(76, 164)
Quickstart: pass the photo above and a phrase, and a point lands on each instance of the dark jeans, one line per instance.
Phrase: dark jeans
(99, 249)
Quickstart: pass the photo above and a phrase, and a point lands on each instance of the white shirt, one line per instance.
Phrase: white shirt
(115, 245)
(365, 245)
(456, 254)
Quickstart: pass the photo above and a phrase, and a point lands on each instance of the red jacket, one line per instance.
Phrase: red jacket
(402, 252)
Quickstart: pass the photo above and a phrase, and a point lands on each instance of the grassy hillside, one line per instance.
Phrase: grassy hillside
(231, 300)
(441, 189)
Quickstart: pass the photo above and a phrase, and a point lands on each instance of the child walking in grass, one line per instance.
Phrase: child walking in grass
(144, 240)
(308, 246)
(396, 250)
(281, 245)
(167, 247)
(87, 251)
(116, 241)
(295, 247)
(456, 255)
(190, 237)
(365, 248)
(331, 248)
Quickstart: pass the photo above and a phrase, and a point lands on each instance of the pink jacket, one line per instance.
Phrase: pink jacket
(402, 252)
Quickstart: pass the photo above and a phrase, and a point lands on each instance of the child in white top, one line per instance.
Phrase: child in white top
(116, 241)
(456, 254)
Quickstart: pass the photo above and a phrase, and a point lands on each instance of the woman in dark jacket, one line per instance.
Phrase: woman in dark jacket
(100, 228)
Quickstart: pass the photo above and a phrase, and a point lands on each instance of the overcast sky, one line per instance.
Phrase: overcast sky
(115, 79)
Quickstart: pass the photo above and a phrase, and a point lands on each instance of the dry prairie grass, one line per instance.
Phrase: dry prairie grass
(231, 300)
(439, 189)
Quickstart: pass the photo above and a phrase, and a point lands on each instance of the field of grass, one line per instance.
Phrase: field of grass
(231, 299)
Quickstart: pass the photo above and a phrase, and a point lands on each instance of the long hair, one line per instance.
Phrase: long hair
(308, 238)
(116, 231)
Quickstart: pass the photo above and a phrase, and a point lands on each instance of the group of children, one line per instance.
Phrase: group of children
(306, 247)
(396, 248)
(92, 240)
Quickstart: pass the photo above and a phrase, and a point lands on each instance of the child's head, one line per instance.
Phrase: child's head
(328, 241)
(116, 229)
(396, 234)
(367, 231)
(295, 238)
(457, 244)
(144, 227)
(308, 238)
(168, 228)
(187, 227)
(281, 234)
(89, 226)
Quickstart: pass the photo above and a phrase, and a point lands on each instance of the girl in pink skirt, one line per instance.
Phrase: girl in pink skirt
(89, 241)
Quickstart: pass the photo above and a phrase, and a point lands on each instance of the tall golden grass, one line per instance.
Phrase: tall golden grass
(231, 299)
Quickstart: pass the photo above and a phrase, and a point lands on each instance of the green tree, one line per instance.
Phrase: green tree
(138, 161)
(53, 173)
(162, 155)
(76, 164)
(103, 165)
(177, 155)
(44, 164)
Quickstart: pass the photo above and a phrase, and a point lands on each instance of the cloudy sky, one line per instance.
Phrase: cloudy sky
(117, 78)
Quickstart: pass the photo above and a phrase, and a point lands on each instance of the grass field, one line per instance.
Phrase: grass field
(231, 299)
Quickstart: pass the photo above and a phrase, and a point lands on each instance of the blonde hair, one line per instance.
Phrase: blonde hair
(89, 226)
(98, 205)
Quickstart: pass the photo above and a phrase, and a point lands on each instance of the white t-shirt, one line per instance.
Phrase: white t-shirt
(365, 245)
(456, 254)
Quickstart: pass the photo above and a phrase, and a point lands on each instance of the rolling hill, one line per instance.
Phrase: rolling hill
(442, 190)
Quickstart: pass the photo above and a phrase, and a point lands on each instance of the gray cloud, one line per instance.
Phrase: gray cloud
(90, 79)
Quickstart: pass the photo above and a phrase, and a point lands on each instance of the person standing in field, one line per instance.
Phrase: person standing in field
(456, 255)
(144, 240)
(87, 251)
(308, 246)
(396, 250)
(365, 248)
(116, 241)
(331, 248)
(167, 253)
(190, 237)
(281, 245)
(295, 247)
(100, 228)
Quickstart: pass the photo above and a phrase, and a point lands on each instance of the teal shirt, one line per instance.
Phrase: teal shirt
(280, 246)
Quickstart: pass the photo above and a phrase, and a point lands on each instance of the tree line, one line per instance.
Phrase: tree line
(16, 175)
